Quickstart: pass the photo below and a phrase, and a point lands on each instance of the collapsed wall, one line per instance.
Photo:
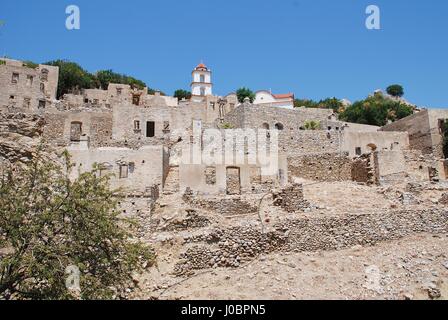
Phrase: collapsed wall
(291, 199)
(237, 245)
(228, 206)
(363, 169)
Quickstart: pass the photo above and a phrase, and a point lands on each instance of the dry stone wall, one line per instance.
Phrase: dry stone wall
(228, 206)
(236, 246)
(256, 116)
(321, 167)
(291, 199)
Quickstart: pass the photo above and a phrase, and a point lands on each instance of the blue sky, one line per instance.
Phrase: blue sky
(314, 48)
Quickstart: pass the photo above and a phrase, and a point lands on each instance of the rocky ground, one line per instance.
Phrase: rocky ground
(392, 244)
(412, 268)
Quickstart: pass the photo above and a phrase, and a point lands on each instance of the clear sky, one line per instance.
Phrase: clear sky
(314, 48)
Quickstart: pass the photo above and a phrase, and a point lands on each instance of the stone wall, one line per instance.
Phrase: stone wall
(96, 126)
(135, 205)
(188, 221)
(363, 169)
(423, 167)
(357, 143)
(291, 199)
(227, 206)
(298, 142)
(27, 88)
(168, 120)
(258, 116)
(236, 246)
(321, 167)
(134, 171)
(424, 130)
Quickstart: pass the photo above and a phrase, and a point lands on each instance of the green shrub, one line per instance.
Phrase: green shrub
(311, 125)
(227, 126)
(30, 64)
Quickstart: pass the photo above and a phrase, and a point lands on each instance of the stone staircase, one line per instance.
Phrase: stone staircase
(172, 181)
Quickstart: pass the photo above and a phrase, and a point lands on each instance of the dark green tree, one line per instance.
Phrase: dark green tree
(298, 103)
(72, 77)
(330, 103)
(49, 222)
(243, 93)
(376, 110)
(395, 90)
(181, 94)
(104, 77)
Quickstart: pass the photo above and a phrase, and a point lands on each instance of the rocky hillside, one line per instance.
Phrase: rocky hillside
(19, 135)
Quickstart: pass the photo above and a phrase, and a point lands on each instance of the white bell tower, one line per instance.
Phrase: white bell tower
(202, 81)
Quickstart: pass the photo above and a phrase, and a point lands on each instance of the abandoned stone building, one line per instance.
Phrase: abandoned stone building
(26, 86)
(139, 136)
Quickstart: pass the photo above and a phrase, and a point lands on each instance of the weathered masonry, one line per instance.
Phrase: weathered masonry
(137, 136)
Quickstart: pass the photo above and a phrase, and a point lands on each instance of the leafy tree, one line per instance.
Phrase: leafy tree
(298, 103)
(181, 94)
(311, 125)
(49, 222)
(330, 103)
(395, 90)
(243, 93)
(376, 110)
(104, 77)
(72, 77)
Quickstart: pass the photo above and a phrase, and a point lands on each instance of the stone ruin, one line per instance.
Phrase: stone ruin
(291, 199)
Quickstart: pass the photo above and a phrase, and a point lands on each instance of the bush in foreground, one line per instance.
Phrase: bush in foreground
(49, 223)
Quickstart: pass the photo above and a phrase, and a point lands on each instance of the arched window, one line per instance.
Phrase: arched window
(265, 126)
(42, 87)
(202, 91)
(201, 78)
(279, 126)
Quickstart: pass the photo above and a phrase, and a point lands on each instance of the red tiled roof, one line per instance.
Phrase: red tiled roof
(201, 66)
(283, 96)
